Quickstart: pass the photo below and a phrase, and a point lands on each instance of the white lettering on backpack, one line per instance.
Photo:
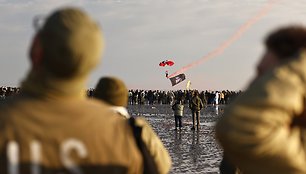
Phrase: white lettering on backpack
(13, 157)
(66, 148)
(35, 148)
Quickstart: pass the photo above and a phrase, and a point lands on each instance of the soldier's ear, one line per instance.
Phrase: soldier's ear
(36, 52)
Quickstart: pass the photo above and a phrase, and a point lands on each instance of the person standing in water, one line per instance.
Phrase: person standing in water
(178, 109)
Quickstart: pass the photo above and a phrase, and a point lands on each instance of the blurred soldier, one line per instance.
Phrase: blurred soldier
(52, 126)
(263, 130)
(114, 92)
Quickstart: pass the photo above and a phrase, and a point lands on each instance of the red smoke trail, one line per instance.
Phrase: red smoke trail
(232, 39)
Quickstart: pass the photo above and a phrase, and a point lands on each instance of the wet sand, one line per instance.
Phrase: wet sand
(191, 151)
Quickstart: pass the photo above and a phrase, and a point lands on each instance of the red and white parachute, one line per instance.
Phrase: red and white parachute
(166, 63)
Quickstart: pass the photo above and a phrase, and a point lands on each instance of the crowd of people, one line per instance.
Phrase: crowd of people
(7, 91)
(140, 96)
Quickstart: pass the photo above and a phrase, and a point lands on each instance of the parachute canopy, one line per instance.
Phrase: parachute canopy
(166, 63)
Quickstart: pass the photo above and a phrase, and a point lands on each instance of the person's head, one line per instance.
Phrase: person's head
(282, 44)
(112, 91)
(178, 100)
(195, 93)
(67, 46)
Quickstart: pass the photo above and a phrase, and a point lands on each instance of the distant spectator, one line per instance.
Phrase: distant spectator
(196, 105)
(178, 109)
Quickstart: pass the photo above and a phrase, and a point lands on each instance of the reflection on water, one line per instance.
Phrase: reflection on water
(191, 151)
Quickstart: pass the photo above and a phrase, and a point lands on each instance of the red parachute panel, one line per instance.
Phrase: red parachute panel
(166, 63)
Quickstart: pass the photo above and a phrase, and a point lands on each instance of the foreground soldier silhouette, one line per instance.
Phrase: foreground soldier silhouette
(263, 130)
(52, 127)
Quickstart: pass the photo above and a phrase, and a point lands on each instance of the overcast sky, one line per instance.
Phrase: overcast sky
(141, 33)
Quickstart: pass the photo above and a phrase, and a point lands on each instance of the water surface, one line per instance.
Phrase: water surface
(191, 151)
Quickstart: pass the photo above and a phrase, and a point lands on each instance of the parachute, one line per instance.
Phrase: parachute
(166, 63)
(176, 79)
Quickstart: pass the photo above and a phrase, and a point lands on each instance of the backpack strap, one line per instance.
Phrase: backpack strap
(149, 165)
(137, 130)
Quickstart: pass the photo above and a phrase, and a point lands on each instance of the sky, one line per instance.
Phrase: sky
(141, 33)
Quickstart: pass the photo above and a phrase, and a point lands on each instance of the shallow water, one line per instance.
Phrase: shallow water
(191, 151)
